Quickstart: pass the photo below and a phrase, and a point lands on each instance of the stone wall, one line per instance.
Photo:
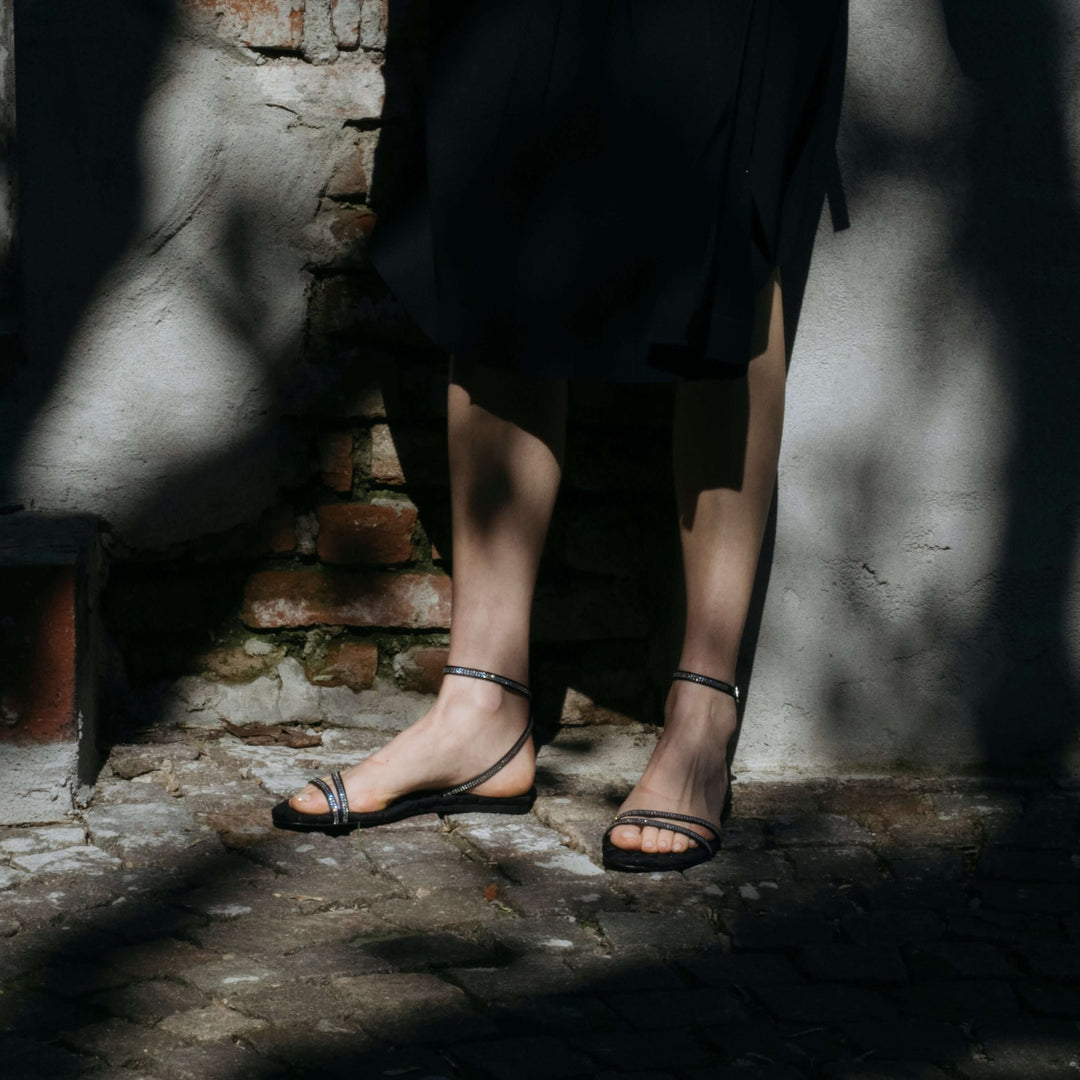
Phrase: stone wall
(215, 371)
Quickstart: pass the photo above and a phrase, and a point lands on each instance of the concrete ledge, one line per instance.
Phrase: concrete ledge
(51, 571)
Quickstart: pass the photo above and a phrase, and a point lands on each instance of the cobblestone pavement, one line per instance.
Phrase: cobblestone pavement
(852, 930)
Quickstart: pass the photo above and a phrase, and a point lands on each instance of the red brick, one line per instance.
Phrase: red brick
(421, 668)
(347, 663)
(336, 461)
(261, 24)
(336, 236)
(37, 654)
(309, 597)
(361, 533)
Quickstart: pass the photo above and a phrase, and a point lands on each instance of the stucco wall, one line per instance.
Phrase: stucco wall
(923, 600)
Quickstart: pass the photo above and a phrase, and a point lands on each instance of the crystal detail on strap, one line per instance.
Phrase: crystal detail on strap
(705, 680)
(331, 800)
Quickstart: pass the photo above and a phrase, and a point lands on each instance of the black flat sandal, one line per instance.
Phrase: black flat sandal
(455, 800)
(646, 862)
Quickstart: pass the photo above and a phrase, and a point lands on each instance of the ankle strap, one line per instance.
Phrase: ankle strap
(502, 680)
(705, 680)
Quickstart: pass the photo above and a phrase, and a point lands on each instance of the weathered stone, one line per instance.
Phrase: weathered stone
(779, 932)
(837, 864)
(717, 968)
(523, 849)
(1020, 865)
(582, 899)
(538, 1058)
(958, 960)
(640, 1050)
(425, 860)
(552, 934)
(76, 860)
(793, 829)
(894, 926)
(959, 1002)
(149, 1001)
(870, 965)
(1051, 999)
(117, 1041)
(395, 1004)
(147, 834)
(919, 1040)
(158, 958)
(635, 932)
(43, 838)
(663, 1009)
(528, 976)
(828, 1003)
(210, 1024)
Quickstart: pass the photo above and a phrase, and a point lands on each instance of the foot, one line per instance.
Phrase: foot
(687, 772)
(471, 725)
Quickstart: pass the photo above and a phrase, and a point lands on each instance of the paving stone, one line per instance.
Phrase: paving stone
(925, 864)
(9, 927)
(961, 1002)
(735, 868)
(153, 959)
(836, 864)
(554, 1015)
(1033, 898)
(425, 860)
(25, 1059)
(233, 887)
(400, 1006)
(149, 1001)
(231, 978)
(827, 1003)
(958, 960)
(869, 964)
(909, 1040)
(893, 926)
(738, 1071)
(741, 969)
(637, 932)
(43, 838)
(75, 978)
(538, 1058)
(399, 1063)
(212, 1059)
(1013, 864)
(626, 1051)
(931, 894)
(148, 834)
(439, 909)
(258, 936)
(1027, 1050)
(120, 1043)
(759, 1042)
(1052, 961)
(431, 951)
(1005, 927)
(636, 1076)
(883, 1070)
(780, 932)
(582, 899)
(44, 899)
(559, 935)
(30, 1011)
(319, 1046)
(663, 1009)
(530, 976)
(621, 974)
(524, 849)
(832, 829)
(1051, 999)
(209, 1024)
(86, 859)
(10, 877)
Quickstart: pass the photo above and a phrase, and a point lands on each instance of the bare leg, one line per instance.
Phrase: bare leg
(507, 439)
(726, 447)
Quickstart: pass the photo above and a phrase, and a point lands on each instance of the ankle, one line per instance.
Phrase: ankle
(700, 712)
(464, 697)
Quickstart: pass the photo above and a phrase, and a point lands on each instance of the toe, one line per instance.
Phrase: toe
(627, 837)
(664, 841)
(310, 800)
(679, 842)
(649, 838)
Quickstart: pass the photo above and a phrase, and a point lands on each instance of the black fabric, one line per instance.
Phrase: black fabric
(600, 187)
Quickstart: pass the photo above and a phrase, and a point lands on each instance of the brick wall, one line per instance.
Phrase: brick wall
(343, 587)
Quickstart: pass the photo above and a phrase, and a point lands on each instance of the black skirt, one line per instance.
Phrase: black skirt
(596, 189)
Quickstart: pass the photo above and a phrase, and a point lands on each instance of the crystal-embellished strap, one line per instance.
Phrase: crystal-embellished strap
(502, 680)
(343, 797)
(487, 774)
(705, 680)
(632, 818)
(689, 818)
(331, 800)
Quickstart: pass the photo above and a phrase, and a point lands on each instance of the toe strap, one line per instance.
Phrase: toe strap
(332, 799)
(663, 819)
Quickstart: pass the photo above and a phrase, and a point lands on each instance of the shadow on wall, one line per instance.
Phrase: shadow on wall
(1005, 170)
